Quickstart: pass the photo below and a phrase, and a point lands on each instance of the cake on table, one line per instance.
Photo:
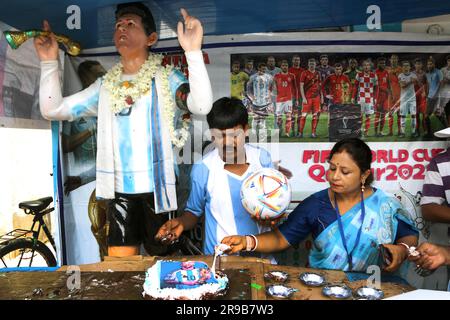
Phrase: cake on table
(176, 280)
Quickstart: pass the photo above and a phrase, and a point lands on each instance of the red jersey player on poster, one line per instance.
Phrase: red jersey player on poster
(382, 100)
(285, 91)
(394, 99)
(312, 97)
(297, 70)
(337, 86)
(420, 88)
(364, 92)
(325, 70)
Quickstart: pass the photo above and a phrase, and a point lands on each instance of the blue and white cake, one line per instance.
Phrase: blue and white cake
(176, 280)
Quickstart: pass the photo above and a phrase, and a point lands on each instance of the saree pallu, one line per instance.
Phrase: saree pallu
(382, 213)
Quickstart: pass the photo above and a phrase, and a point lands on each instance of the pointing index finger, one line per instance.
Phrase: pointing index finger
(46, 26)
(184, 13)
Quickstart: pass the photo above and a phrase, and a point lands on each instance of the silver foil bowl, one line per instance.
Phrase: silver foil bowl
(337, 291)
(368, 293)
(277, 276)
(312, 279)
(280, 291)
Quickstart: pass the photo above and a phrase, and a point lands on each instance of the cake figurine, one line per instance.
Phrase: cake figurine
(190, 280)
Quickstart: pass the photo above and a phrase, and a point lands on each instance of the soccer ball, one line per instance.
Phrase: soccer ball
(266, 193)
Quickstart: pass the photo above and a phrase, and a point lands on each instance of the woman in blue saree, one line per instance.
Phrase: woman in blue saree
(351, 222)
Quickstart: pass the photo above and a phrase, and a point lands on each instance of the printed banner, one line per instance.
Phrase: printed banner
(19, 85)
(324, 96)
(346, 97)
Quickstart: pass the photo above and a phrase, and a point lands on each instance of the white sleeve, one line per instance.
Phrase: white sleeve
(52, 104)
(200, 98)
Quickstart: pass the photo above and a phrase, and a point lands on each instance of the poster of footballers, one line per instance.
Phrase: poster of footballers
(308, 97)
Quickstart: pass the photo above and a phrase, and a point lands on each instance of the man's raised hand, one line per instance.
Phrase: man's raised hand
(46, 46)
(190, 32)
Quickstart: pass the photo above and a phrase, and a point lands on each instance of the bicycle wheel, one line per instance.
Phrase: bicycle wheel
(25, 253)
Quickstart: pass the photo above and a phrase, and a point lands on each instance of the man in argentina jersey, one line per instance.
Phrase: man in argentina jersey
(259, 91)
(217, 179)
(407, 80)
(135, 170)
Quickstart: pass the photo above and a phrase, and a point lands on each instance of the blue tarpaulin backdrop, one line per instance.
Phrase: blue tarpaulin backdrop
(218, 17)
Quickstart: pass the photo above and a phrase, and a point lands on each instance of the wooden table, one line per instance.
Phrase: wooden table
(131, 271)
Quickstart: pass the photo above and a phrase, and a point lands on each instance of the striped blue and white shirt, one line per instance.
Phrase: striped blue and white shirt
(261, 87)
(132, 136)
(201, 199)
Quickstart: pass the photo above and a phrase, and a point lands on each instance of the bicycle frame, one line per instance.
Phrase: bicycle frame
(22, 233)
(39, 217)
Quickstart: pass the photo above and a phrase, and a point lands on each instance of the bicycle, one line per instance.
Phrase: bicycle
(22, 245)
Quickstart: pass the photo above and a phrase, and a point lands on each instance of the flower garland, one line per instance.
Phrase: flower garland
(124, 94)
(180, 136)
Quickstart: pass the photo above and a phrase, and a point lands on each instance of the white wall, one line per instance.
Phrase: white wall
(25, 168)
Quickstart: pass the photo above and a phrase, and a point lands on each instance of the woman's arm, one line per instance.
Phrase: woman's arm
(267, 242)
(399, 252)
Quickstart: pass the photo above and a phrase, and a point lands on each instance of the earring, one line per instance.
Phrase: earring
(363, 187)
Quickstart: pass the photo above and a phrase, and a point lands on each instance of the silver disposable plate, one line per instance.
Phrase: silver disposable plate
(278, 276)
(338, 291)
(312, 279)
(368, 293)
(280, 291)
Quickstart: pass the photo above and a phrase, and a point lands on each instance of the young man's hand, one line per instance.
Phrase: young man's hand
(46, 47)
(191, 36)
(236, 243)
(431, 256)
(266, 222)
(169, 231)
